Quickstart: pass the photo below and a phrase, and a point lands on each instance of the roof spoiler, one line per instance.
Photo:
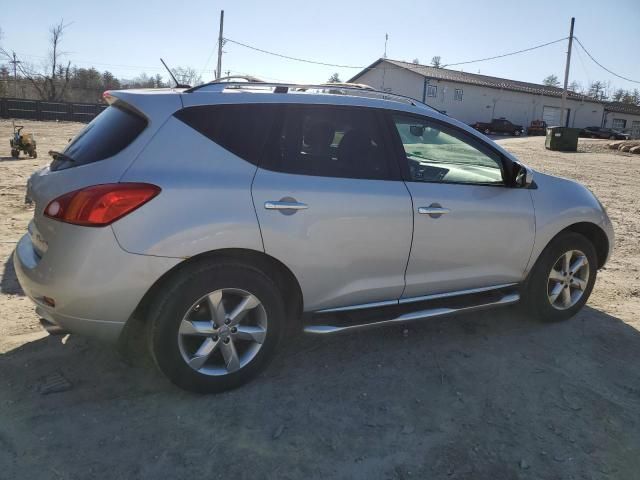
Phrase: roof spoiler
(153, 103)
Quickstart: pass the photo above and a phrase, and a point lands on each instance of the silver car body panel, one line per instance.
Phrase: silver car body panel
(95, 284)
(205, 203)
(350, 247)
(485, 239)
(561, 203)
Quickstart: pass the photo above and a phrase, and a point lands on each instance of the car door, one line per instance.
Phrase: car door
(332, 207)
(471, 230)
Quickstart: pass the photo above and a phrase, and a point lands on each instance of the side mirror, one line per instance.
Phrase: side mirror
(524, 176)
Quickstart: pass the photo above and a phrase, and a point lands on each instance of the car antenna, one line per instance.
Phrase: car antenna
(178, 85)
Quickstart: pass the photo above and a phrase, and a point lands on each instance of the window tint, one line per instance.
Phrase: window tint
(107, 134)
(330, 142)
(241, 129)
(436, 153)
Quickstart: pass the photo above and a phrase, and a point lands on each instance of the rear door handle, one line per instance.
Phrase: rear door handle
(281, 205)
(435, 210)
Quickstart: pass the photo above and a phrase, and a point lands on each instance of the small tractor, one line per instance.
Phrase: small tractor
(22, 141)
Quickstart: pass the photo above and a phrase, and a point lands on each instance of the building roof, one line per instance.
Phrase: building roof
(476, 79)
(620, 107)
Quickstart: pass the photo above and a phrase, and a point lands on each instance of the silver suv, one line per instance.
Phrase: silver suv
(227, 215)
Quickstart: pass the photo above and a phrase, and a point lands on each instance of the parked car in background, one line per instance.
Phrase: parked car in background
(229, 215)
(600, 132)
(537, 127)
(499, 125)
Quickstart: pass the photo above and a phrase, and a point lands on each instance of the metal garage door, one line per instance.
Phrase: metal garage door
(551, 115)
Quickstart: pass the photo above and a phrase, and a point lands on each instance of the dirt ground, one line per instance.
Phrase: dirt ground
(490, 395)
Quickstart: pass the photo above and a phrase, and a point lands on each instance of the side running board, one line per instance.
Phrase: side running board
(393, 316)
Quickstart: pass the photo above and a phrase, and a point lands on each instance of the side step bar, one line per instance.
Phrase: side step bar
(505, 298)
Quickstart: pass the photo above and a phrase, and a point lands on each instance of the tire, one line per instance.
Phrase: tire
(517, 133)
(15, 153)
(612, 137)
(539, 289)
(487, 131)
(173, 343)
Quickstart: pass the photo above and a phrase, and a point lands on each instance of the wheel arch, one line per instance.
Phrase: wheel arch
(595, 235)
(285, 280)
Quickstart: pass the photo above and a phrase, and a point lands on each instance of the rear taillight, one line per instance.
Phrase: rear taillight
(100, 205)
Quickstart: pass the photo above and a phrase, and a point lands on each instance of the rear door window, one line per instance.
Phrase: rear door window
(330, 141)
(107, 134)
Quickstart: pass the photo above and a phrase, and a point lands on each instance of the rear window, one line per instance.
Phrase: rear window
(241, 129)
(107, 134)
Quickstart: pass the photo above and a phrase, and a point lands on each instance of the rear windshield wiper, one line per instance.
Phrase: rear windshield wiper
(61, 156)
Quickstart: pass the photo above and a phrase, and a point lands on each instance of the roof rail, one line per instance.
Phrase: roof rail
(333, 88)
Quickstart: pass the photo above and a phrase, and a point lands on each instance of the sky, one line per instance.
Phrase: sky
(128, 37)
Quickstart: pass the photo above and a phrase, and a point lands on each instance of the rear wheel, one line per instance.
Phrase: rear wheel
(517, 133)
(15, 153)
(562, 279)
(216, 326)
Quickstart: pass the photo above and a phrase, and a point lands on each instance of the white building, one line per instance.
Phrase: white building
(471, 97)
(623, 117)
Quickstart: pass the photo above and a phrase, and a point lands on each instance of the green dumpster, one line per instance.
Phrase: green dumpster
(562, 138)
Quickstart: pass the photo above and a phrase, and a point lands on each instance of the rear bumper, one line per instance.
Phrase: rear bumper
(95, 284)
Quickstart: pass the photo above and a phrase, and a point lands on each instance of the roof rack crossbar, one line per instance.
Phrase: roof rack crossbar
(302, 87)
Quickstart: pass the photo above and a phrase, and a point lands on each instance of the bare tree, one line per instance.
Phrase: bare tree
(436, 61)
(576, 87)
(334, 78)
(187, 76)
(551, 81)
(618, 95)
(52, 79)
(416, 61)
(598, 90)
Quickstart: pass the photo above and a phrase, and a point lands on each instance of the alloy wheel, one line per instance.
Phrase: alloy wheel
(568, 280)
(222, 331)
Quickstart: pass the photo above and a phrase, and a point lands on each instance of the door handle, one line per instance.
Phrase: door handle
(281, 205)
(435, 210)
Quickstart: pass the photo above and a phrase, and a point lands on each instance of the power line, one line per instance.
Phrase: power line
(292, 58)
(602, 66)
(506, 54)
(361, 67)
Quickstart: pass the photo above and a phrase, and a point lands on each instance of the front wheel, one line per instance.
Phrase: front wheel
(517, 133)
(216, 326)
(562, 279)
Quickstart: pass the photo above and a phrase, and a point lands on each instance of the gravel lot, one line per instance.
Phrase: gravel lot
(480, 396)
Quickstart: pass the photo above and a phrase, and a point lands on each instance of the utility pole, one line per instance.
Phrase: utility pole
(219, 69)
(563, 109)
(15, 63)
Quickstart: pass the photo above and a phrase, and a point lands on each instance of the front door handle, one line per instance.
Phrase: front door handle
(435, 210)
(285, 205)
